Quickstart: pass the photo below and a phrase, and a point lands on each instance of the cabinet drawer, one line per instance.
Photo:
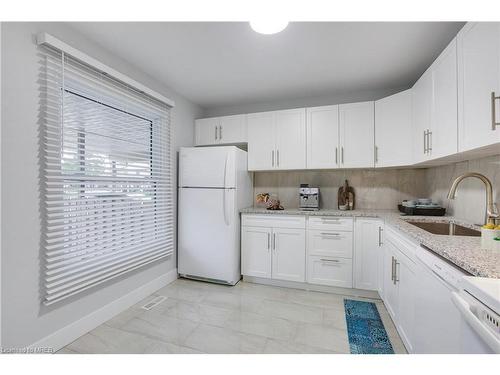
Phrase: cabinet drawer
(274, 221)
(330, 223)
(329, 243)
(329, 271)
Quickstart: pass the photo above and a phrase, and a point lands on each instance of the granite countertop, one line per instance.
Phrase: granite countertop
(463, 251)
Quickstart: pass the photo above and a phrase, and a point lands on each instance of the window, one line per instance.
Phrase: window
(106, 180)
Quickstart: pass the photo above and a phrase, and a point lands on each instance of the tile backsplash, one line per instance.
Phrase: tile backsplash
(383, 189)
(374, 189)
(470, 201)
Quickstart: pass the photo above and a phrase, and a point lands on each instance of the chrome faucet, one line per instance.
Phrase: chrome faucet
(491, 208)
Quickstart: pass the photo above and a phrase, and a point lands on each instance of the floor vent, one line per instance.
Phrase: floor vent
(154, 302)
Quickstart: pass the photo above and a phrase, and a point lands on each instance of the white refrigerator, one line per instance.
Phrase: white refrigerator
(214, 184)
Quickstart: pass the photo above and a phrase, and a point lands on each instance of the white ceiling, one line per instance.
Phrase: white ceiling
(217, 64)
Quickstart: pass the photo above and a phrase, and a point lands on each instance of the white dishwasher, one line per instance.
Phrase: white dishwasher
(437, 319)
(479, 304)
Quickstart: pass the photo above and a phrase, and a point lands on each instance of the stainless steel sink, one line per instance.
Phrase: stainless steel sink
(449, 229)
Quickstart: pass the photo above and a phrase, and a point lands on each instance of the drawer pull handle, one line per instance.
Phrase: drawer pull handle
(330, 260)
(330, 234)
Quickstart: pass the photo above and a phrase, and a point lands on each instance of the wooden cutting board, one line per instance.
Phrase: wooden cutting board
(346, 195)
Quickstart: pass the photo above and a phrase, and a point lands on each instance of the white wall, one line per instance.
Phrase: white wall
(301, 102)
(24, 319)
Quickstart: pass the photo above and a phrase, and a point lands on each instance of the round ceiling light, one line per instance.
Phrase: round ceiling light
(268, 26)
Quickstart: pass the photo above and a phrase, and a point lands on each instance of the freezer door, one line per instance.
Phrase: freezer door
(207, 167)
(208, 234)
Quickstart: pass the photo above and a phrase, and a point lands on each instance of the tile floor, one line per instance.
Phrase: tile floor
(199, 317)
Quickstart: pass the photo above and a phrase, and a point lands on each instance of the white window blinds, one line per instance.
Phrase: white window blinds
(107, 188)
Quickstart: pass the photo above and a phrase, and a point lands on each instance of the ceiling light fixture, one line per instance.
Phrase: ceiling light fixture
(268, 26)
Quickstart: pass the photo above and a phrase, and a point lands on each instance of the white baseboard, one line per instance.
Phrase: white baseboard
(71, 332)
(313, 287)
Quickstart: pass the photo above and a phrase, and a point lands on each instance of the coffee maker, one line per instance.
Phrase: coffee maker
(308, 198)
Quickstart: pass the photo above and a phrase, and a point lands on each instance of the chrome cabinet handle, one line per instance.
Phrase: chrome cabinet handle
(342, 154)
(392, 268)
(330, 260)
(336, 155)
(274, 241)
(330, 234)
(272, 158)
(268, 241)
(220, 131)
(277, 158)
(429, 141)
(380, 236)
(396, 280)
(375, 157)
(494, 122)
(215, 133)
(425, 141)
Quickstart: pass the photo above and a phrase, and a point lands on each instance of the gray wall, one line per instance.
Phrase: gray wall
(301, 102)
(24, 320)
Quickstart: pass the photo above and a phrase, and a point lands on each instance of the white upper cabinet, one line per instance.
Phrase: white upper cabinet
(434, 108)
(277, 140)
(205, 131)
(478, 84)
(291, 139)
(444, 124)
(357, 135)
(421, 114)
(261, 141)
(393, 130)
(323, 137)
(221, 130)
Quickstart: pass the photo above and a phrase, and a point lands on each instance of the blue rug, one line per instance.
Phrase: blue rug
(366, 332)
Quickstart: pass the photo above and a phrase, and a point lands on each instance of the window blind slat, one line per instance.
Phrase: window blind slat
(106, 177)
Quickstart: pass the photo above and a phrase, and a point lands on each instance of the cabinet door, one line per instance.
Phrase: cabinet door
(323, 137)
(393, 130)
(478, 76)
(367, 245)
(291, 139)
(405, 280)
(289, 254)
(256, 251)
(261, 141)
(357, 135)
(444, 125)
(381, 261)
(205, 131)
(390, 287)
(232, 129)
(421, 114)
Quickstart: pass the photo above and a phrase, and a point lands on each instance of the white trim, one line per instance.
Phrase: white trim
(313, 287)
(47, 39)
(71, 332)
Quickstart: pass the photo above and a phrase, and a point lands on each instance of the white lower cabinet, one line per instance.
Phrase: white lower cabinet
(329, 251)
(256, 251)
(271, 250)
(329, 271)
(288, 255)
(399, 285)
(367, 250)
